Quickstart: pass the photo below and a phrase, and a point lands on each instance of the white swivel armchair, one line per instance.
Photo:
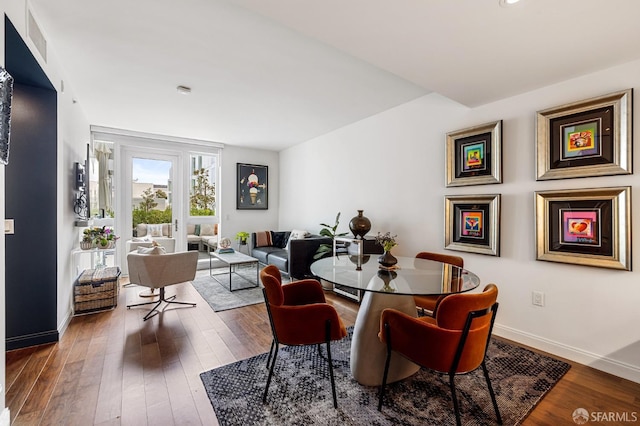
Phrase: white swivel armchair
(159, 271)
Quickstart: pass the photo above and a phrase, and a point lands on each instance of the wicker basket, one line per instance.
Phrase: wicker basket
(96, 290)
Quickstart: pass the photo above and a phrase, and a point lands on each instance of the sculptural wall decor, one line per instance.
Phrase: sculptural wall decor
(6, 92)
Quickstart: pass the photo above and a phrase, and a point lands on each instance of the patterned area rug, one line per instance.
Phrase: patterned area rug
(300, 392)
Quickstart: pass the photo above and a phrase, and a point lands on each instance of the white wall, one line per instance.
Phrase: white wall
(73, 134)
(392, 165)
(232, 220)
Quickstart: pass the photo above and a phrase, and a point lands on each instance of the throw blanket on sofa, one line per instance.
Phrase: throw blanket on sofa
(263, 239)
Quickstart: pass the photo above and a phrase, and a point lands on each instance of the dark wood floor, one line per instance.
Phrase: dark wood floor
(112, 368)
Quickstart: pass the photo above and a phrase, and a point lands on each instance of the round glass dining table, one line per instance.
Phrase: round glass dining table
(383, 289)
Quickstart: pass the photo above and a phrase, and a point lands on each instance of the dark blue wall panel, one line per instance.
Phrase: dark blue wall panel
(30, 196)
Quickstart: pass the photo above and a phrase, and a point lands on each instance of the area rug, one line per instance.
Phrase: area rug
(300, 392)
(217, 294)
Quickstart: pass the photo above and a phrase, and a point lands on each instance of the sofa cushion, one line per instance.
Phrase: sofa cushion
(196, 229)
(262, 253)
(279, 258)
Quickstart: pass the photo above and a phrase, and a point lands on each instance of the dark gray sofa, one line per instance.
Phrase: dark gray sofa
(295, 261)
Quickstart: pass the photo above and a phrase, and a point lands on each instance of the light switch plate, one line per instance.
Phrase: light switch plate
(8, 226)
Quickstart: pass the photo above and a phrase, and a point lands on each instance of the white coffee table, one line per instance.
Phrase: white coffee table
(233, 260)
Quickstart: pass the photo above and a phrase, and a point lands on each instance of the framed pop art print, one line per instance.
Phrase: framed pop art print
(474, 155)
(589, 227)
(252, 187)
(472, 223)
(586, 138)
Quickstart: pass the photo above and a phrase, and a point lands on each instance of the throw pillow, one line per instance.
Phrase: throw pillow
(155, 230)
(263, 239)
(279, 238)
(207, 229)
(141, 230)
(152, 250)
(197, 230)
(297, 234)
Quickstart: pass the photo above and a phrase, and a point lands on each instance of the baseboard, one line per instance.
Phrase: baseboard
(608, 365)
(65, 323)
(5, 418)
(31, 340)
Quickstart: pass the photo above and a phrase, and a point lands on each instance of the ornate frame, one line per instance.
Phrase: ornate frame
(472, 223)
(586, 138)
(589, 227)
(474, 155)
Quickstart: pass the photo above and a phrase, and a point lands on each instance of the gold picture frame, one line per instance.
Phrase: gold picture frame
(472, 223)
(586, 138)
(590, 227)
(474, 155)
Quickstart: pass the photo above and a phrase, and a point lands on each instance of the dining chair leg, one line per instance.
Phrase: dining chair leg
(493, 395)
(273, 363)
(452, 385)
(387, 332)
(328, 342)
(273, 342)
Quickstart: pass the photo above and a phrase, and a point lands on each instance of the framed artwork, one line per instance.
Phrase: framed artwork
(589, 227)
(474, 155)
(472, 223)
(6, 93)
(586, 138)
(252, 191)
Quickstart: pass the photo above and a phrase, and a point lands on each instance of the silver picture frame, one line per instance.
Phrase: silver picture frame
(474, 155)
(472, 223)
(561, 151)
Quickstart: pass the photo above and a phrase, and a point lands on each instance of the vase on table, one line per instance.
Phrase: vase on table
(387, 260)
(360, 225)
(86, 245)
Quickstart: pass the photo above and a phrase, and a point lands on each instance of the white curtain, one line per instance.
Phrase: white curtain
(102, 153)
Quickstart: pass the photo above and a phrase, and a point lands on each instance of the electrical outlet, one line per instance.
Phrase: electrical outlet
(537, 298)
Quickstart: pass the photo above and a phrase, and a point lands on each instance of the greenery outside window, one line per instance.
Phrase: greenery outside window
(202, 190)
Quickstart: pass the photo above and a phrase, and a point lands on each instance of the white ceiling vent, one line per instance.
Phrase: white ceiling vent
(36, 36)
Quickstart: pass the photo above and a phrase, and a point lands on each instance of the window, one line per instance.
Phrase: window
(202, 188)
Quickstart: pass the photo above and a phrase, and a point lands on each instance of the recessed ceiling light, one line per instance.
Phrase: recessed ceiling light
(184, 90)
(507, 3)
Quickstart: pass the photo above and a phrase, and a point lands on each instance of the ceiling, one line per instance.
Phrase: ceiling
(273, 73)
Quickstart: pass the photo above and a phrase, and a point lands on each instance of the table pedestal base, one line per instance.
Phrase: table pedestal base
(368, 354)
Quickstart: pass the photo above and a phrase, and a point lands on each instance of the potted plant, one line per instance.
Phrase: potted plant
(242, 237)
(98, 236)
(387, 241)
(328, 231)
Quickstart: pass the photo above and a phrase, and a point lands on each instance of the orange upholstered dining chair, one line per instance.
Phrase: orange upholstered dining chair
(299, 315)
(454, 342)
(429, 304)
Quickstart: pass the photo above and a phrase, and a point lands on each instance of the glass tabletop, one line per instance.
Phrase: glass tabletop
(416, 277)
